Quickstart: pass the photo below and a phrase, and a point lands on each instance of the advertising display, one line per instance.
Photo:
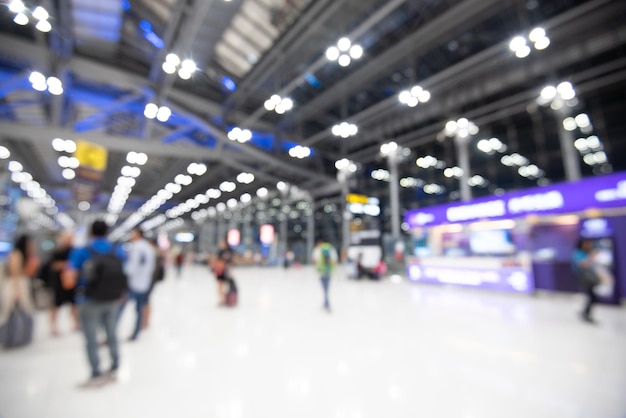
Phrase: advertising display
(602, 192)
(233, 237)
(266, 235)
(518, 241)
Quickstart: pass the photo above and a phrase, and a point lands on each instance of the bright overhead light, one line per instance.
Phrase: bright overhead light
(4, 153)
(517, 43)
(43, 26)
(523, 52)
(344, 44)
(58, 144)
(40, 13)
(245, 198)
(163, 114)
(536, 34)
(232, 203)
(548, 92)
(184, 74)
(21, 19)
(16, 6)
(141, 158)
(168, 67)
(172, 59)
(542, 43)
(37, 78)
(281, 185)
(151, 110)
(332, 53)
(189, 65)
(356, 52)
(344, 60)
(70, 146)
(68, 174)
(262, 192)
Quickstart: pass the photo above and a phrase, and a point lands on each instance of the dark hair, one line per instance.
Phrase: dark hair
(581, 242)
(21, 245)
(138, 230)
(99, 229)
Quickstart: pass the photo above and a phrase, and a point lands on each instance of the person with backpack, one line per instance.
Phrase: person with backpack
(139, 268)
(325, 258)
(98, 272)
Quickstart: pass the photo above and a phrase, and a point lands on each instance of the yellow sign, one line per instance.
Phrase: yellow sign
(91, 156)
(356, 198)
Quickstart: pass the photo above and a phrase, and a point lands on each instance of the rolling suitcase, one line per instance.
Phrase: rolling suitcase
(232, 294)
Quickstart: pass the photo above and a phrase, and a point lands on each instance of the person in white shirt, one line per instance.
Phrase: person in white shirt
(139, 269)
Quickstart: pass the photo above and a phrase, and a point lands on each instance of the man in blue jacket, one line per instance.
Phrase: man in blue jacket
(101, 284)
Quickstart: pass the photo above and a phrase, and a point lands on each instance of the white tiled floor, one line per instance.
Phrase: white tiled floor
(387, 350)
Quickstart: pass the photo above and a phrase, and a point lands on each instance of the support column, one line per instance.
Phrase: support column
(394, 195)
(571, 160)
(283, 233)
(463, 157)
(345, 217)
(310, 232)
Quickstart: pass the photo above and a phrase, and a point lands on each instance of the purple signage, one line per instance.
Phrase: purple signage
(508, 279)
(591, 193)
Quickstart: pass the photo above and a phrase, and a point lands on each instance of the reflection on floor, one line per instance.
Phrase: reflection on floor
(386, 350)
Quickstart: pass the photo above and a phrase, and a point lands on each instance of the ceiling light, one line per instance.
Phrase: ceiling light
(517, 43)
(344, 60)
(172, 59)
(4, 153)
(163, 114)
(344, 44)
(542, 43)
(356, 52)
(262, 192)
(245, 198)
(70, 146)
(40, 13)
(168, 67)
(189, 65)
(213, 193)
(332, 53)
(345, 130)
(21, 19)
(68, 174)
(151, 110)
(184, 74)
(16, 6)
(232, 203)
(43, 26)
(523, 52)
(141, 158)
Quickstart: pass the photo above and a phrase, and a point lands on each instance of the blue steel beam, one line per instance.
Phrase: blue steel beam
(95, 121)
(16, 82)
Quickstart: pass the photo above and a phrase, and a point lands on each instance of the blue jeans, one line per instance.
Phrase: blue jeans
(93, 314)
(326, 284)
(141, 299)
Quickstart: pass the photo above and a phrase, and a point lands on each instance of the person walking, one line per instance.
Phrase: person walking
(221, 268)
(101, 284)
(179, 260)
(582, 265)
(15, 290)
(325, 258)
(64, 292)
(157, 276)
(139, 269)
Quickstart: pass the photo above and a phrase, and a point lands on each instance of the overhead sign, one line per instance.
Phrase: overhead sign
(91, 156)
(591, 193)
(92, 159)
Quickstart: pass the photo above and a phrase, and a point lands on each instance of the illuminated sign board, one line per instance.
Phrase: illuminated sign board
(601, 192)
(267, 234)
(234, 237)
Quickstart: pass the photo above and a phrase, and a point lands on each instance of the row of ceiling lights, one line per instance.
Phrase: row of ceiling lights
(126, 181)
(39, 13)
(40, 82)
(537, 36)
(161, 113)
(158, 199)
(68, 164)
(34, 190)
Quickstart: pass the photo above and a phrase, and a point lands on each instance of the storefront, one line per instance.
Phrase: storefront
(521, 241)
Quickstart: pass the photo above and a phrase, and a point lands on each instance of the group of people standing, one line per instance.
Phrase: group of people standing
(97, 281)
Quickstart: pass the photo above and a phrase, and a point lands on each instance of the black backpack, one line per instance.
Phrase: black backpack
(105, 276)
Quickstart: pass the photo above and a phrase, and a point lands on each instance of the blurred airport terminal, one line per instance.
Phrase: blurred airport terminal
(313, 208)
